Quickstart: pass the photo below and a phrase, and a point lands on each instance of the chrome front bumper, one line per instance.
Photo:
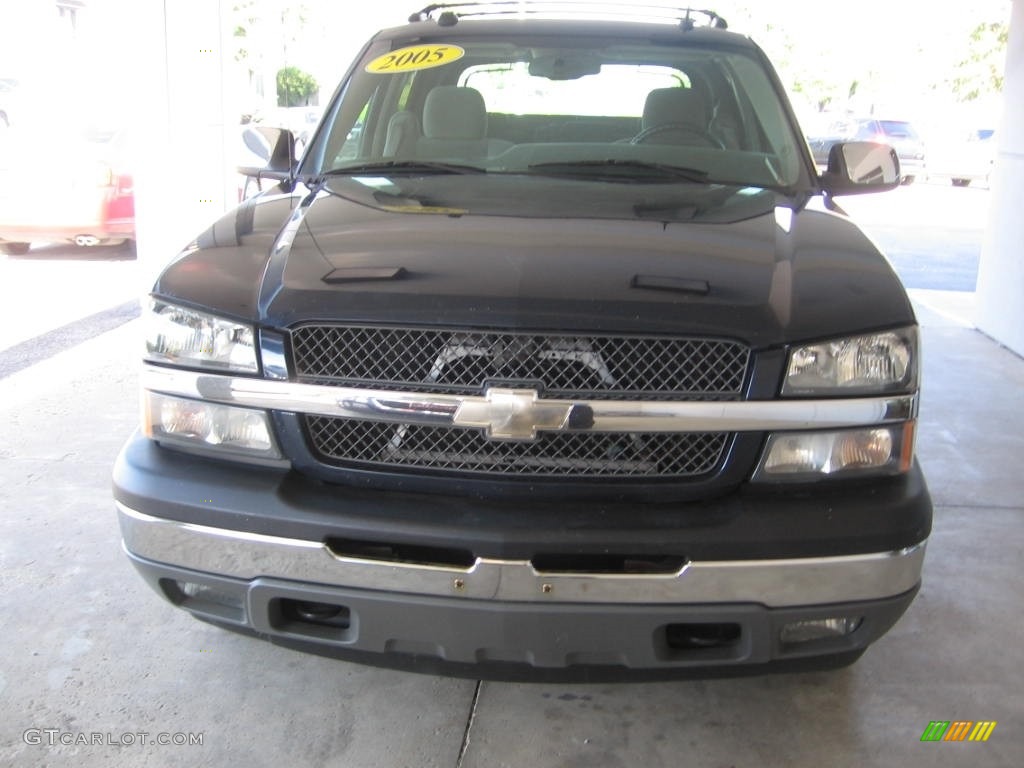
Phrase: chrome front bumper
(772, 583)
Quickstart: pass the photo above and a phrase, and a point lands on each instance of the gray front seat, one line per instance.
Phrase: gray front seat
(455, 126)
(675, 116)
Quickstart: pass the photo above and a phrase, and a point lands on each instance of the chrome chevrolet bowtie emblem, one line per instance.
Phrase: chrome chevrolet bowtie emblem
(513, 414)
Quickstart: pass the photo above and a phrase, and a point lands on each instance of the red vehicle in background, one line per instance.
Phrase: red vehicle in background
(75, 189)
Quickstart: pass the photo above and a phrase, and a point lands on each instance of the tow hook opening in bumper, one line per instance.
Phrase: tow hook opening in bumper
(698, 636)
(314, 619)
(702, 641)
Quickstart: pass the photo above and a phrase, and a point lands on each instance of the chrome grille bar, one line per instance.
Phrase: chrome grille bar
(600, 415)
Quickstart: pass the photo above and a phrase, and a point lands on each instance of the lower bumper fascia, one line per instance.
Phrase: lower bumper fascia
(531, 642)
(505, 620)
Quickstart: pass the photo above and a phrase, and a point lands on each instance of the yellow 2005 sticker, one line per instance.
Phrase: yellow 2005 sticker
(415, 57)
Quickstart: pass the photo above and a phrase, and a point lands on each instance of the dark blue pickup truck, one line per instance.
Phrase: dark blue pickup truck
(551, 357)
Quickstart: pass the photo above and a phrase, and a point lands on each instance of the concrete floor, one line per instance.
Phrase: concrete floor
(89, 649)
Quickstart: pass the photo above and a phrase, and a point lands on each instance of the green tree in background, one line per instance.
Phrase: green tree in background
(244, 16)
(265, 35)
(294, 87)
(857, 61)
(980, 72)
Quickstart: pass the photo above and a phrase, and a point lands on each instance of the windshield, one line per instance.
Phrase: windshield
(611, 112)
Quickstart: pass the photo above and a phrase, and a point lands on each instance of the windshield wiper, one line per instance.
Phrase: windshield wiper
(402, 166)
(621, 170)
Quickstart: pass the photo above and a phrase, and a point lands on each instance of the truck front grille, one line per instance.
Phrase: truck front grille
(352, 442)
(557, 365)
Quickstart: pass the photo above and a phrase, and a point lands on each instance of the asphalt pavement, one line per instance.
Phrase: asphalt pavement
(932, 233)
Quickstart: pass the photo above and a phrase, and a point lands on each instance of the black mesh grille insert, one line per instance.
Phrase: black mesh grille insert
(608, 367)
(352, 442)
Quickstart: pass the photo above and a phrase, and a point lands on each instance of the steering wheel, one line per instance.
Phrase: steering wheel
(693, 136)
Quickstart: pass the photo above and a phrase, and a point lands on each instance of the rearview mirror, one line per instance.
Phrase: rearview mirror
(565, 66)
(857, 167)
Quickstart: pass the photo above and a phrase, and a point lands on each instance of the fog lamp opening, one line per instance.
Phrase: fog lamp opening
(204, 599)
(809, 630)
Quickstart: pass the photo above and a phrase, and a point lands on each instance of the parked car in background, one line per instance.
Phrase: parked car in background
(299, 120)
(74, 186)
(903, 137)
(965, 158)
(899, 134)
(823, 130)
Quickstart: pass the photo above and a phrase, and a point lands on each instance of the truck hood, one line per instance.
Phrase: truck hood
(768, 273)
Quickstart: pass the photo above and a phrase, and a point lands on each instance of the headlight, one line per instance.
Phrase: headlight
(194, 424)
(186, 337)
(803, 456)
(875, 363)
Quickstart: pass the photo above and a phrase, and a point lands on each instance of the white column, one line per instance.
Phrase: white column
(1000, 296)
(185, 124)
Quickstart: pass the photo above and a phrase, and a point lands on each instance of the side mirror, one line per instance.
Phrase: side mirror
(858, 167)
(276, 146)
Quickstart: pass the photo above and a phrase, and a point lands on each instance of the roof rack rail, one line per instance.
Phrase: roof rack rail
(448, 14)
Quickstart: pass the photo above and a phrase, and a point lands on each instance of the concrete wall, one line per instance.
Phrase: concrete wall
(1000, 300)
